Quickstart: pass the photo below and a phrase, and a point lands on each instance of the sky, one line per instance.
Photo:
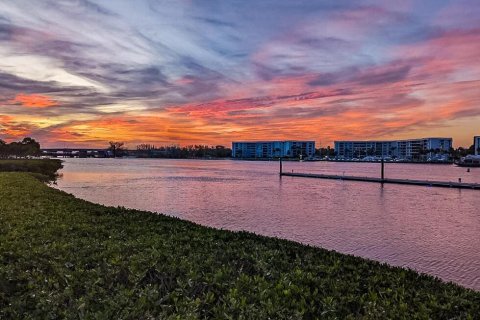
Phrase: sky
(80, 73)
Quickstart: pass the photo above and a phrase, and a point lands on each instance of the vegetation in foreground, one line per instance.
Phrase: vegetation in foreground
(42, 169)
(61, 257)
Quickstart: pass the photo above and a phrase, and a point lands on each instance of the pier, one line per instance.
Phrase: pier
(426, 183)
(444, 184)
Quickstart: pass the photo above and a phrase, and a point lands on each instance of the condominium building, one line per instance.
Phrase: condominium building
(476, 143)
(412, 149)
(273, 149)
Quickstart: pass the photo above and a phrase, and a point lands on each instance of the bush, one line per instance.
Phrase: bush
(44, 169)
(61, 257)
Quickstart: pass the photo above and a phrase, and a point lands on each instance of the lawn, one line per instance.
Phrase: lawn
(61, 257)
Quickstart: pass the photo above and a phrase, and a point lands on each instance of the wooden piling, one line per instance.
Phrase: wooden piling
(383, 169)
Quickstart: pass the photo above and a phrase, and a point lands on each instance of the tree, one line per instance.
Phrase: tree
(115, 147)
(392, 152)
(371, 151)
(222, 152)
(28, 147)
(330, 152)
(471, 150)
(325, 152)
(3, 149)
(277, 152)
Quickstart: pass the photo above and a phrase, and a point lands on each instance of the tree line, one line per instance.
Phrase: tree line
(191, 151)
(462, 152)
(28, 147)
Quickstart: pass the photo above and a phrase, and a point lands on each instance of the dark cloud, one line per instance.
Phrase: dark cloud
(59, 48)
(375, 75)
(201, 83)
(265, 72)
(6, 31)
(11, 84)
(317, 94)
(390, 75)
(216, 22)
(323, 43)
(308, 113)
(326, 79)
(78, 7)
(126, 81)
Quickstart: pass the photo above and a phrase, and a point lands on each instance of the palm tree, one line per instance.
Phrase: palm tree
(277, 152)
(115, 146)
(392, 152)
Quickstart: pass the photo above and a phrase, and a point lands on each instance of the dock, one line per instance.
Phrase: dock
(426, 183)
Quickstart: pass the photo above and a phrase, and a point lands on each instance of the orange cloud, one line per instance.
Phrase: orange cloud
(133, 130)
(10, 129)
(34, 101)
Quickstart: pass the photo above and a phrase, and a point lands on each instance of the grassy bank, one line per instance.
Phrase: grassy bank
(43, 169)
(61, 257)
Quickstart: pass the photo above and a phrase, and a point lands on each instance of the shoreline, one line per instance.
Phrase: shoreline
(265, 160)
(194, 270)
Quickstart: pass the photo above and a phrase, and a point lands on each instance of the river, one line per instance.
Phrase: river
(431, 230)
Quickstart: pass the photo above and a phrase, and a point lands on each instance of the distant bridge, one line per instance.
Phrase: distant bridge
(75, 153)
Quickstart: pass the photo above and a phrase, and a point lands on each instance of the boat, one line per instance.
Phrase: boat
(469, 161)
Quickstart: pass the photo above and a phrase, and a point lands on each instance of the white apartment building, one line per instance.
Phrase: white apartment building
(273, 149)
(411, 149)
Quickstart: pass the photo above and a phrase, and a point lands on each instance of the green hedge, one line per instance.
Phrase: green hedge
(43, 169)
(61, 257)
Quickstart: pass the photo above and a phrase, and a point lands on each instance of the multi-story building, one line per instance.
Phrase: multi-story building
(273, 149)
(429, 149)
(476, 143)
(361, 149)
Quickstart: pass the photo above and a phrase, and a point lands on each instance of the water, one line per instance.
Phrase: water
(432, 230)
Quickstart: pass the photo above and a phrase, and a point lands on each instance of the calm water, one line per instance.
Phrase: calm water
(432, 230)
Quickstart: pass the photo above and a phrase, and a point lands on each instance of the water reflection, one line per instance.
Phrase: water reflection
(433, 230)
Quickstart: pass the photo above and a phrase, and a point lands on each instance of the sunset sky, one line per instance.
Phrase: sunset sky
(79, 73)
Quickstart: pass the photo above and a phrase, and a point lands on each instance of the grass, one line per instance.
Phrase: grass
(61, 257)
(42, 169)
